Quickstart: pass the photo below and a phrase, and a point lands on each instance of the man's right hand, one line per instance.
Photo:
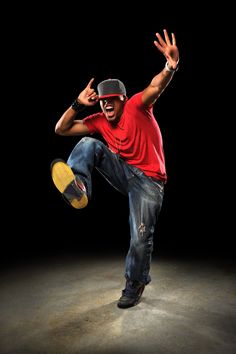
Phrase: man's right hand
(88, 96)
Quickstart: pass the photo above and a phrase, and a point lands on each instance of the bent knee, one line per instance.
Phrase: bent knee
(88, 140)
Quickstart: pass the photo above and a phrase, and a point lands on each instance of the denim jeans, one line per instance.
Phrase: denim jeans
(145, 197)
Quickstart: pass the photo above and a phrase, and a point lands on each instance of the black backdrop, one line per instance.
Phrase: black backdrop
(75, 43)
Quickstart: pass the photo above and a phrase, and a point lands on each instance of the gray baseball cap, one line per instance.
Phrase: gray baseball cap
(110, 87)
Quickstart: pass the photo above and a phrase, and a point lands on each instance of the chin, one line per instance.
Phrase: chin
(111, 119)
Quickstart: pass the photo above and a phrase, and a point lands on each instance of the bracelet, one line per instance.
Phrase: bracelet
(171, 70)
(76, 106)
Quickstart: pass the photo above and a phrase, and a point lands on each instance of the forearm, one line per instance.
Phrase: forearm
(66, 121)
(157, 86)
(161, 81)
(68, 124)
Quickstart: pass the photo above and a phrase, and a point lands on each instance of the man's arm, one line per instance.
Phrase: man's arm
(160, 81)
(68, 124)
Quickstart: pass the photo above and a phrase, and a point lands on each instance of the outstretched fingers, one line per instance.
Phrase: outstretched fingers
(161, 43)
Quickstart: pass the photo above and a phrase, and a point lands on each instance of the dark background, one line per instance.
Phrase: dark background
(71, 45)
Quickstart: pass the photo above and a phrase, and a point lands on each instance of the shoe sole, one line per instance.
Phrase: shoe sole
(62, 176)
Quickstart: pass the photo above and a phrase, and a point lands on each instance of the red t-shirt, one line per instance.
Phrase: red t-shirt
(136, 138)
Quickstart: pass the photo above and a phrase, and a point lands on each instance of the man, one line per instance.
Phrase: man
(133, 160)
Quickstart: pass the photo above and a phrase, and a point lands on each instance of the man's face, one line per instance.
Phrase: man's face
(113, 107)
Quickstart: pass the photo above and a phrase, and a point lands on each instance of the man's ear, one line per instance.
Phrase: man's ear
(123, 98)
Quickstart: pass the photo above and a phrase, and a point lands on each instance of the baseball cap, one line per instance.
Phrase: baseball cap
(110, 87)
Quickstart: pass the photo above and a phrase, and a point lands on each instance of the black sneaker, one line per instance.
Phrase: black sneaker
(131, 294)
(72, 189)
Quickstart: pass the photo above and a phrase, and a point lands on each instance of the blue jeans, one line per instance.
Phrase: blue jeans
(144, 193)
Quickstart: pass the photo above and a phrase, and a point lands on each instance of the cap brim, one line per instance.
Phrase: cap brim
(111, 95)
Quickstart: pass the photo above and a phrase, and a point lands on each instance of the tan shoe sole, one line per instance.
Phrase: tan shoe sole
(62, 176)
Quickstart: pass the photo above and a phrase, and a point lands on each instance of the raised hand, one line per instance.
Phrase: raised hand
(168, 48)
(88, 96)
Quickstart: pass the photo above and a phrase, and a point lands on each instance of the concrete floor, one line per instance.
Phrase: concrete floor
(67, 305)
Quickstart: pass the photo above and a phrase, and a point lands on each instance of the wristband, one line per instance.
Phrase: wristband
(169, 69)
(76, 106)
